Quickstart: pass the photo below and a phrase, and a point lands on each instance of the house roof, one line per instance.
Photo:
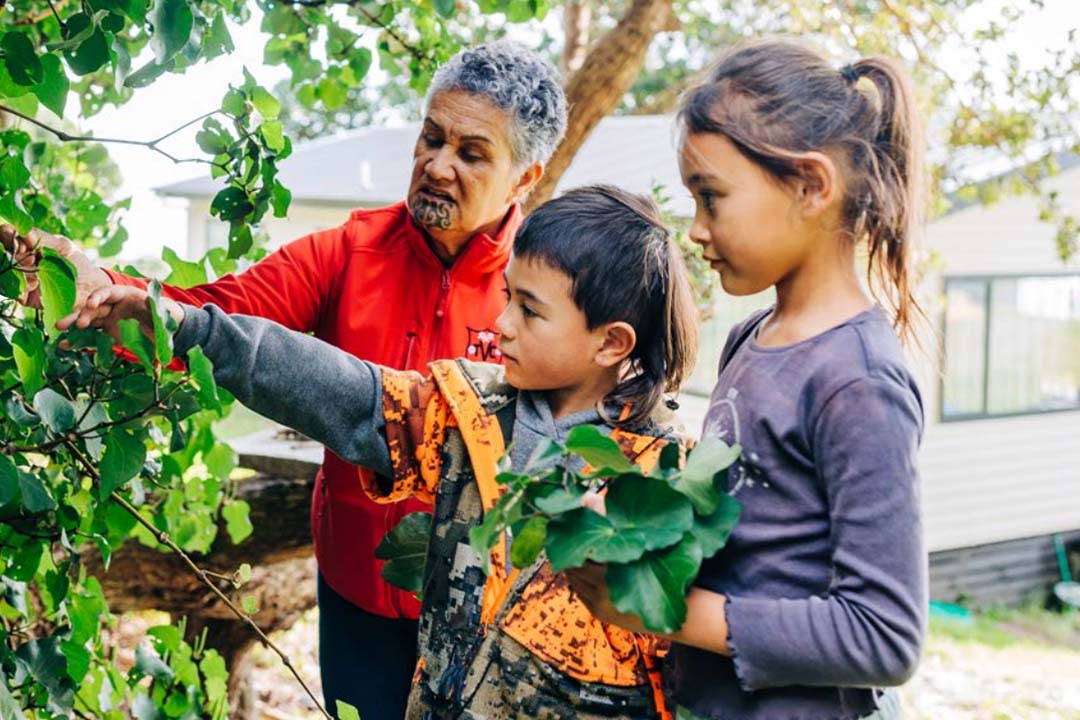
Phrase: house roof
(371, 166)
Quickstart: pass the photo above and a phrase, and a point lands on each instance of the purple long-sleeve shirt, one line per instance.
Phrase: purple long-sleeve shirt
(826, 573)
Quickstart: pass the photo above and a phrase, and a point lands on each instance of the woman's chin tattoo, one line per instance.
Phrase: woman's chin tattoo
(431, 213)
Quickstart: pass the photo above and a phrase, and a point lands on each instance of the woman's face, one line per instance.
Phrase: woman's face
(464, 178)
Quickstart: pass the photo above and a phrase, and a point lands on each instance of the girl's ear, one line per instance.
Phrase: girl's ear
(819, 183)
(617, 341)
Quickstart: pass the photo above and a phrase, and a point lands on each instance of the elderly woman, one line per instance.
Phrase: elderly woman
(493, 116)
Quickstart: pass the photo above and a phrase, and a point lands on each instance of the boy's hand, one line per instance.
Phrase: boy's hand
(589, 584)
(107, 306)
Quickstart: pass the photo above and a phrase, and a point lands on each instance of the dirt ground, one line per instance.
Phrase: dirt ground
(1010, 666)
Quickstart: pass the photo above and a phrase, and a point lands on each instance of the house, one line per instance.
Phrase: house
(1000, 371)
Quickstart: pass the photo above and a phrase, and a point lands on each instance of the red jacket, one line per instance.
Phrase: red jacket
(373, 288)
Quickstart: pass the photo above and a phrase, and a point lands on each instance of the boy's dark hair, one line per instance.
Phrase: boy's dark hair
(776, 100)
(623, 266)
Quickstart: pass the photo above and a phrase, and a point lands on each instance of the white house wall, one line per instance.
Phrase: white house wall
(1004, 478)
(303, 219)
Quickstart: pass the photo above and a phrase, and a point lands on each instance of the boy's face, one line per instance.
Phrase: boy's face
(543, 335)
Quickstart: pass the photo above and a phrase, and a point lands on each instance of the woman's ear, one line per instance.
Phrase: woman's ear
(526, 181)
(819, 183)
(616, 343)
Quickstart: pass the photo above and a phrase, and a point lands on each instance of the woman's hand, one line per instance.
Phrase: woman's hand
(26, 249)
(107, 306)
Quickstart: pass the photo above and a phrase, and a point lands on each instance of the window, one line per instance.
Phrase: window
(1012, 346)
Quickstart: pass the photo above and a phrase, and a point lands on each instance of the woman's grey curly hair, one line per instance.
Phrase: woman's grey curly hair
(518, 81)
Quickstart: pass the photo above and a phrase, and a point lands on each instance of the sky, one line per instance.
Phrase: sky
(154, 222)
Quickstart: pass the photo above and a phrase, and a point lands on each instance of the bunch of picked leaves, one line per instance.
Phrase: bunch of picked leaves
(658, 528)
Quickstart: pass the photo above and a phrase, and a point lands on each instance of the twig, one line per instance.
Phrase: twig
(38, 17)
(163, 537)
(149, 144)
(374, 19)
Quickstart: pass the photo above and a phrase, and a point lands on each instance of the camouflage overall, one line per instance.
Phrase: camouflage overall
(517, 644)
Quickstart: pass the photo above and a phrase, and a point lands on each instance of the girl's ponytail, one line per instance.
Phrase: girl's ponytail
(894, 201)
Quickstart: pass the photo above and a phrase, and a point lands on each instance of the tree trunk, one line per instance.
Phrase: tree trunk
(282, 582)
(577, 19)
(595, 89)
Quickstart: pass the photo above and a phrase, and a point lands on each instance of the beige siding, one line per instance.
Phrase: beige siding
(303, 218)
(990, 480)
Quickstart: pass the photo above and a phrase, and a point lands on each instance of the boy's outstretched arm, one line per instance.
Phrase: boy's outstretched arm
(291, 378)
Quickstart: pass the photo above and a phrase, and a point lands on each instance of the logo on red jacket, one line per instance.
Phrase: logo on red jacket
(483, 346)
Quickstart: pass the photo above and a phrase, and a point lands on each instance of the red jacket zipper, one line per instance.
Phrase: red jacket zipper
(440, 313)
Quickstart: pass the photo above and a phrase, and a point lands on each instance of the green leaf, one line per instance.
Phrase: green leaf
(528, 542)
(57, 278)
(654, 587)
(560, 500)
(273, 135)
(55, 410)
(12, 283)
(35, 496)
(237, 520)
(233, 102)
(697, 480)
(240, 240)
(85, 611)
(218, 41)
(712, 531)
(149, 664)
(122, 460)
(172, 21)
(164, 325)
(53, 89)
(220, 461)
(11, 209)
(28, 347)
(404, 549)
(184, 274)
(114, 244)
(360, 63)
(332, 93)
(250, 607)
(580, 535)
(89, 50)
(78, 660)
(244, 573)
(345, 711)
(230, 204)
(280, 198)
(446, 8)
(265, 103)
(600, 451)
(9, 481)
(147, 74)
(13, 174)
(44, 661)
(22, 62)
(11, 709)
(647, 512)
(132, 338)
(202, 372)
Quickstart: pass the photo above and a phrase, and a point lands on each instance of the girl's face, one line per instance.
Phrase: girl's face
(545, 341)
(748, 223)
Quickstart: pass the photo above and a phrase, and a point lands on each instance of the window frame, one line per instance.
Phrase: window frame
(988, 281)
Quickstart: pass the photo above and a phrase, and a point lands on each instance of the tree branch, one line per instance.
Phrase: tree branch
(149, 144)
(163, 537)
(596, 88)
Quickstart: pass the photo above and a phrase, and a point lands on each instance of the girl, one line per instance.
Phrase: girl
(599, 322)
(819, 598)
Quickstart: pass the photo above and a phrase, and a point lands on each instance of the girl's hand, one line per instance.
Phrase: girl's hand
(106, 307)
(589, 584)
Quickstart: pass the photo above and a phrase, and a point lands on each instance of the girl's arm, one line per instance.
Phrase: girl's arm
(291, 378)
(868, 629)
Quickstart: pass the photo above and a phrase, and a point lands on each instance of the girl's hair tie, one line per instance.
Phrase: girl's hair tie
(850, 73)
